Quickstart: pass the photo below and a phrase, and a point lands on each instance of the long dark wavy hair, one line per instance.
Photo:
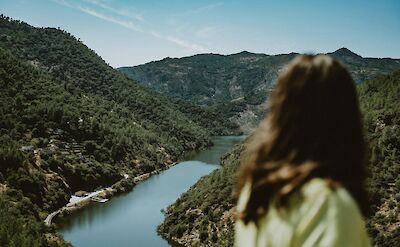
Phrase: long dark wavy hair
(313, 129)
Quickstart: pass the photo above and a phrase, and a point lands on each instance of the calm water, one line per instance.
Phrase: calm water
(131, 219)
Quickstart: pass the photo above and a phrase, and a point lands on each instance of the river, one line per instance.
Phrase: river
(131, 219)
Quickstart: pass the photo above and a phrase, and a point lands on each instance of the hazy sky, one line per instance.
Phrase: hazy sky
(140, 31)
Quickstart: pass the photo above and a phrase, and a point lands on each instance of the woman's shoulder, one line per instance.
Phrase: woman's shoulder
(317, 193)
(329, 200)
(317, 215)
(334, 195)
(330, 213)
(244, 196)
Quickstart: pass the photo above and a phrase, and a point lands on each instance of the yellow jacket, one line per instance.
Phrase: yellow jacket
(315, 216)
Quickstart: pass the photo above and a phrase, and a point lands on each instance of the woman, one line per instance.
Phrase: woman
(302, 177)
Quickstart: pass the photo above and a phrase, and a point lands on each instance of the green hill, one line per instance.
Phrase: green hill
(236, 85)
(69, 121)
(203, 216)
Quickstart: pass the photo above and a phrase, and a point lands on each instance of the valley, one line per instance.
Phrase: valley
(133, 217)
(172, 130)
(71, 122)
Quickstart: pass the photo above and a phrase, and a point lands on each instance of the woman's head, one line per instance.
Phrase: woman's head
(313, 129)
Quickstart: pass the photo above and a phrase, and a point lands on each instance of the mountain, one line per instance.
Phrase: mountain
(237, 85)
(69, 122)
(344, 52)
(203, 216)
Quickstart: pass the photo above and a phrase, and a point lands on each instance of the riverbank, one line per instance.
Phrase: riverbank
(126, 184)
(133, 217)
(204, 215)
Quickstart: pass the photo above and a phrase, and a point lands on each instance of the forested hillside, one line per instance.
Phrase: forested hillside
(235, 85)
(381, 109)
(204, 215)
(69, 121)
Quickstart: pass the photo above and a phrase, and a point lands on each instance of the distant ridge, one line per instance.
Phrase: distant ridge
(341, 53)
(236, 85)
(247, 53)
(344, 52)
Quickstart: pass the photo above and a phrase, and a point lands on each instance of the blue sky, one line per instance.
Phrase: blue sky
(139, 31)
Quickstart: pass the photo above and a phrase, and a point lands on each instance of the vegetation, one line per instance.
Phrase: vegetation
(235, 85)
(380, 105)
(70, 122)
(204, 215)
(19, 223)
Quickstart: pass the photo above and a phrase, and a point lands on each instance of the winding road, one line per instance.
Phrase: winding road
(77, 200)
